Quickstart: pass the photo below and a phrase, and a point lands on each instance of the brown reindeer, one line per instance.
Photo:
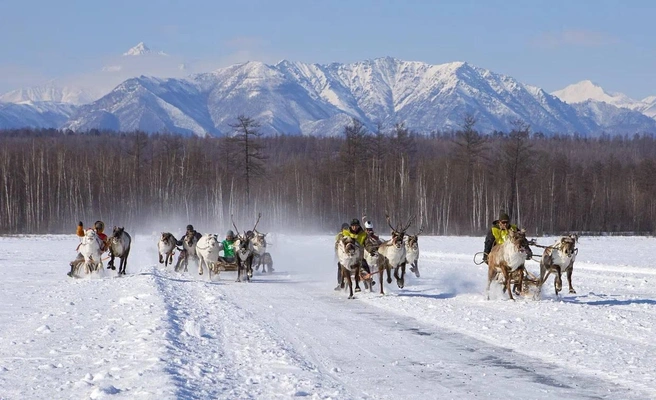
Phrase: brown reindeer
(508, 258)
(349, 256)
(558, 258)
(166, 246)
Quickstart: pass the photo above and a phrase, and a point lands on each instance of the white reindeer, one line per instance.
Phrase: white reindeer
(261, 257)
(394, 254)
(559, 258)
(207, 250)
(90, 248)
(412, 252)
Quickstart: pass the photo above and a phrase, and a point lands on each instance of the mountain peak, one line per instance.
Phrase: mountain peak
(587, 90)
(141, 49)
(583, 91)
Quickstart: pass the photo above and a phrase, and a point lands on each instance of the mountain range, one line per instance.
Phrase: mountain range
(314, 99)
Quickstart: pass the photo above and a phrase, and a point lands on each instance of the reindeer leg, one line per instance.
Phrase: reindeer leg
(347, 273)
(569, 278)
(388, 268)
(340, 281)
(380, 278)
(357, 279)
(491, 274)
(249, 268)
(506, 276)
(558, 281)
(401, 281)
(416, 267)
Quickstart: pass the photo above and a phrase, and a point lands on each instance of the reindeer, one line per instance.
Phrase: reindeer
(260, 255)
(349, 256)
(412, 251)
(558, 258)
(189, 243)
(207, 250)
(394, 255)
(90, 248)
(119, 246)
(166, 246)
(508, 258)
(244, 251)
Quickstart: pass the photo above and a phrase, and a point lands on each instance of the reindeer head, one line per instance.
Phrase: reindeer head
(190, 239)
(566, 245)
(259, 239)
(211, 239)
(116, 234)
(413, 240)
(349, 245)
(243, 246)
(398, 233)
(166, 236)
(518, 239)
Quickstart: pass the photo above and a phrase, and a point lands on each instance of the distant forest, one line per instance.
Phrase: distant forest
(452, 183)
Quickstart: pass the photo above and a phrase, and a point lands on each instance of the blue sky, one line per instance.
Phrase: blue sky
(545, 43)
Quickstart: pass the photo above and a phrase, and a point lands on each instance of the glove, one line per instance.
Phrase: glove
(80, 223)
(531, 242)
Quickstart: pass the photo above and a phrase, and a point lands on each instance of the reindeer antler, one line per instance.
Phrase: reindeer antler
(409, 223)
(421, 229)
(387, 218)
(235, 226)
(258, 221)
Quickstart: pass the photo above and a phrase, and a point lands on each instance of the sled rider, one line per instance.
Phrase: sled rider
(356, 232)
(99, 228)
(190, 232)
(228, 246)
(498, 234)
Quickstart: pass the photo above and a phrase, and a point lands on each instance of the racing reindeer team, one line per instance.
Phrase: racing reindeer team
(506, 251)
(360, 252)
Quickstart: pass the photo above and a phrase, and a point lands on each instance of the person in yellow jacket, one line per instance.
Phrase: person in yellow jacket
(498, 234)
(356, 232)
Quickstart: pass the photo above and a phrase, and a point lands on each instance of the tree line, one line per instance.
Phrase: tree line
(453, 183)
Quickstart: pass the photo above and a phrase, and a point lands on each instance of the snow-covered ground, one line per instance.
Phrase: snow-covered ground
(157, 334)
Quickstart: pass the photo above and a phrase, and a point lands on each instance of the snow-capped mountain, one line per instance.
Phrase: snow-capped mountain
(148, 104)
(141, 49)
(587, 90)
(53, 91)
(34, 114)
(588, 93)
(83, 89)
(314, 99)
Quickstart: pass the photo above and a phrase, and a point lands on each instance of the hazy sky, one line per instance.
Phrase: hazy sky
(545, 43)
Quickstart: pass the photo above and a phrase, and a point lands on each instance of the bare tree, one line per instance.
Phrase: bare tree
(249, 153)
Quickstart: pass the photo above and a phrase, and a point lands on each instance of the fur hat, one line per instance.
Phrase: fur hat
(190, 227)
(504, 217)
(355, 221)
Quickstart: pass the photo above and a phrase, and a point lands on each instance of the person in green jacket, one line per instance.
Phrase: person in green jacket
(228, 246)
